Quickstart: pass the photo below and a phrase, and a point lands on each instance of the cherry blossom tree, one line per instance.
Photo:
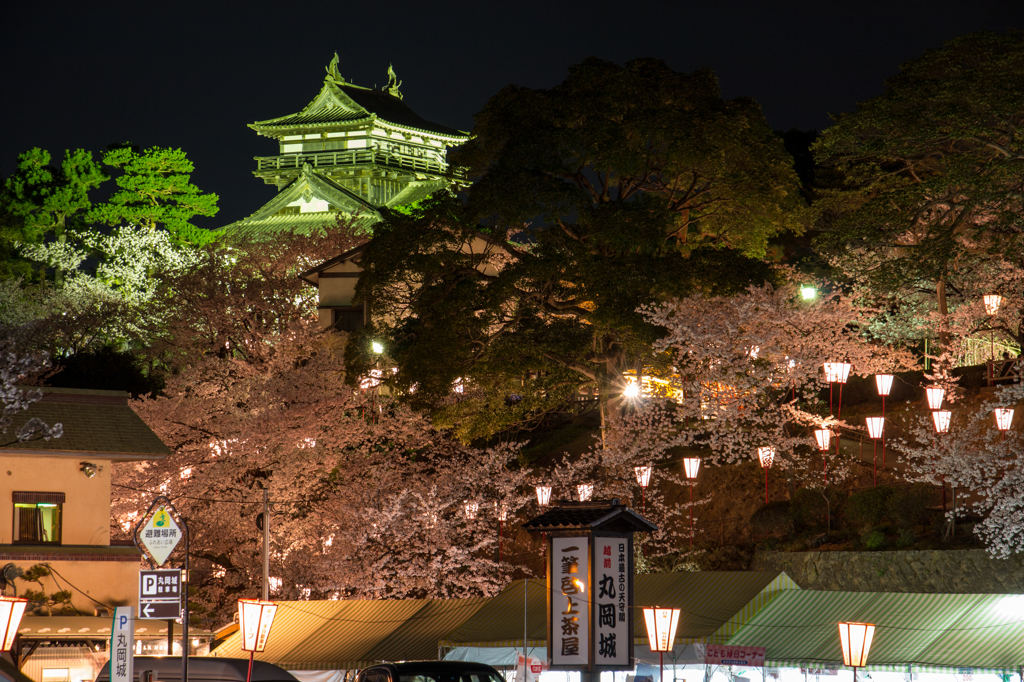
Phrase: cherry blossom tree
(368, 499)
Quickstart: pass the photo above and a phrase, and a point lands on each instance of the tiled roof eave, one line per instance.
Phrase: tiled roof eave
(280, 127)
(260, 126)
(96, 454)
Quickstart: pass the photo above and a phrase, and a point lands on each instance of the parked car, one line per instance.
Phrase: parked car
(429, 671)
(200, 669)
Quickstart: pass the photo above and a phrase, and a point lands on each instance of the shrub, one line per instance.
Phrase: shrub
(868, 507)
(773, 519)
(908, 505)
(905, 538)
(874, 540)
(810, 511)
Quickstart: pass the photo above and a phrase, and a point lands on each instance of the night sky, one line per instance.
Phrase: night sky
(192, 76)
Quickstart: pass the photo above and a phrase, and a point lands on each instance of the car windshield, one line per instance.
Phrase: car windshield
(482, 676)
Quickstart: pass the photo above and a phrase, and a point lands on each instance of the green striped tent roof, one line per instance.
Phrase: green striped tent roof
(714, 604)
(351, 634)
(980, 631)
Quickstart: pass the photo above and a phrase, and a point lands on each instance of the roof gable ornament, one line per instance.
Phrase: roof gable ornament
(393, 83)
(333, 76)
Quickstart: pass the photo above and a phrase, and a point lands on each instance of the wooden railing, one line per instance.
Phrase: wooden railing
(354, 157)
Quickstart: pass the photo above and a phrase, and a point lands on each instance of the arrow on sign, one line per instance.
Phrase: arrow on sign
(159, 610)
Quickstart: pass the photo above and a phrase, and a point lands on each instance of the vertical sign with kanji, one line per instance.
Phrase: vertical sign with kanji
(611, 598)
(569, 645)
(122, 645)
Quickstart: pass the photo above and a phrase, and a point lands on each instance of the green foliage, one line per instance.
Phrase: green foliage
(905, 537)
(932, 171)
(907, 506)
(810, 511)
(868, 507)
(773, 519)
(874, 539)
(156, 190)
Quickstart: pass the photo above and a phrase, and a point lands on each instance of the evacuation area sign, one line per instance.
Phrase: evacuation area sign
(160, 536)
(160, 593)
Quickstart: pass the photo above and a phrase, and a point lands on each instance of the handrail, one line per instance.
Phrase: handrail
(352, 157)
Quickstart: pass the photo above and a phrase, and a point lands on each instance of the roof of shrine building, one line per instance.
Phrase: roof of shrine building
(341, 102)
(597, 515)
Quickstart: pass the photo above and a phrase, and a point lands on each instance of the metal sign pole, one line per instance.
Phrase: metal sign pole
(184, 607)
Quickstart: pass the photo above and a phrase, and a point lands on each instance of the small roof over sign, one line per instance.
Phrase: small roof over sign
(598, 515)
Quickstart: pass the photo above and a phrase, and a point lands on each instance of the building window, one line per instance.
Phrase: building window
(37, 518)
(347, 319)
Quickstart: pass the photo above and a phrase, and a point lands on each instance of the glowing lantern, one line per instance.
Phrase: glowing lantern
(632, 389)
(471, 509)
(855, 639)
(661, 632)
(1004, 415)
(824, 438)
(254, 620)
(807, 292)
(503, 513)
(766, 455)
(935, 395)
(875, 425)
(691, 465)
(543, 495)
(837, 372)
(643, 475)
(992, 303)
(941, 419)
(586, 490)
(11, 611)
(884, 384)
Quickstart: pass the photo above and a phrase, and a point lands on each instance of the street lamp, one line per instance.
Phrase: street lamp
(935, 395)
(11, 611)
(766, 455)
(836, 372)
(824, 437)
(471, 509)
(691, 465)
(502, 517)
(255, 617)
(543, 495)
(941, 419)
(876, 426)
(1004, 416)
(992, 303)
(643, 477)
(807, 292)
(855, 639)
(884, 384)
(661, 632)
(586, 491)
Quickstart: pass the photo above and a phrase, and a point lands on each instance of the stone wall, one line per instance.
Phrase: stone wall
(966, 571)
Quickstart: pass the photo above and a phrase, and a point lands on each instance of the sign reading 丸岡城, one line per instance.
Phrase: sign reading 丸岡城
(122, 645)
(724, 654)
(610, 596)
(160, 535)
(569, 620)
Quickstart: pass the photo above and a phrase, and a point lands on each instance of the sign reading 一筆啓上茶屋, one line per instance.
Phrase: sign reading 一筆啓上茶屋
(160, 535)
(570, 602)
(610, 597)
(122, 645)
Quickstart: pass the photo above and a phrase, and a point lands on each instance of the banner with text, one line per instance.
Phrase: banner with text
(610, 598)
(724, 654)
(122, 645)
(569, 620)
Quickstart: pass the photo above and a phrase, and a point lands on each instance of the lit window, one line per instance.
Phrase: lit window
(37, 522)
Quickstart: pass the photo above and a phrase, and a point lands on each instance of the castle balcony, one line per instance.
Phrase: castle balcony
(353, 158)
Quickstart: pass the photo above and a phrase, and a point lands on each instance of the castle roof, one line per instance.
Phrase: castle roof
(343, 103)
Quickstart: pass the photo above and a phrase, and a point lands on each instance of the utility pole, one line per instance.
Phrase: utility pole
(266, 544)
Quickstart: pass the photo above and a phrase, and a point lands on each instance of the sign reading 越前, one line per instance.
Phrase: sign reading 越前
(122, 645)
(724, 654)
(610, 596)
(160, 536)
(570, 602)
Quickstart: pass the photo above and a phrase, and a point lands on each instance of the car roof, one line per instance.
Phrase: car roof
(435, 666)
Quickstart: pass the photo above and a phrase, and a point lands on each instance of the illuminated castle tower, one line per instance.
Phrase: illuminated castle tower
(352, 149)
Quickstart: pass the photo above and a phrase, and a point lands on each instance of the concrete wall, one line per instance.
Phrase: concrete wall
(86, 512)
(967, 570)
